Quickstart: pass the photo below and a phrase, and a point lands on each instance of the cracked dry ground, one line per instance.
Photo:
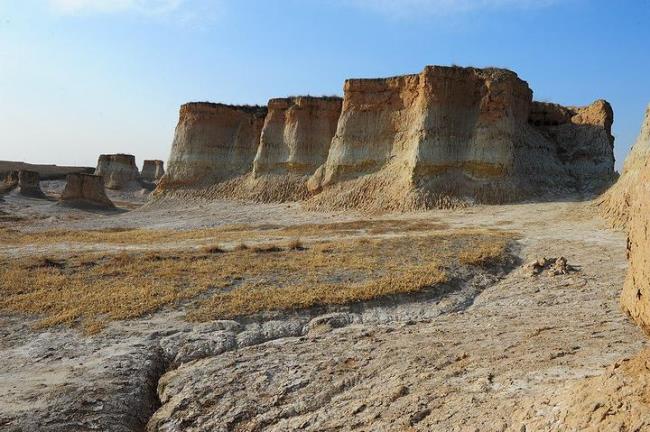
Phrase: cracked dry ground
(521, 339)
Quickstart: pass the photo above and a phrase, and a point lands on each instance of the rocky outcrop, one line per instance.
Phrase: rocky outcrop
(85, 190)
(9, 182)
(152, 170)
(447, 136)
(453, 134)
(583, 139)
(212, 143)
(29, 184)
(118, 170)
(635, 298)
(297, 134)
(617, 201)
(295, 140)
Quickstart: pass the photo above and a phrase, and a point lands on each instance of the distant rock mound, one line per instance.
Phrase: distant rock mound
(294, 142)
(9, 182)
(118, 170)
(85, 190)
(152, 170)
(46, 172)
(617, 201)
(452, 135)
(29, 184)
(212, 143)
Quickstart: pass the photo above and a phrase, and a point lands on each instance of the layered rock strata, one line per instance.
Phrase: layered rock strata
(635, 298)
(213, 143)
(29, 184)
(447, 136)
(118, 170)
(297, 134)
(617, 201)
(152, 170)
(294, 142)
(85, 190)
(459, 134)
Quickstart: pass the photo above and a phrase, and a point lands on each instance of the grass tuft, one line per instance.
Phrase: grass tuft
(213, 249)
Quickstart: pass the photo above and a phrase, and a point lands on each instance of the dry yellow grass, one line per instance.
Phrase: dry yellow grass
(126, 236)
(484, 254)
(89, 289)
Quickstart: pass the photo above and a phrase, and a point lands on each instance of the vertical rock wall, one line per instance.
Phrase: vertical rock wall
(213, 143)
(152, 170)
(297, 134)
(447, 136)
(455, 134)
(118, 170)
(616, 202)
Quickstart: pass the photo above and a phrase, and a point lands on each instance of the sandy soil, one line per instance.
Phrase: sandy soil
(466, 360)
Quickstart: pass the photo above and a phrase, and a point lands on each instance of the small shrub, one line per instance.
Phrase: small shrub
(241, 247)
(213, 249)
(267, 249)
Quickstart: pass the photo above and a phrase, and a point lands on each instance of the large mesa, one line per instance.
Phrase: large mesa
(118, 170)
(212, 143)
(444, 137)
(85, 190)
(452, 135)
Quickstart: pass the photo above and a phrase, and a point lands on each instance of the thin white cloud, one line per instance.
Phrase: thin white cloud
(195, 13)
(443, 7)
(152, 7)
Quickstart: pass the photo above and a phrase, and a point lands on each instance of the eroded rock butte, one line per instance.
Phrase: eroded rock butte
(118, 170)
(153, 170)
(85, 190)
(447, 136)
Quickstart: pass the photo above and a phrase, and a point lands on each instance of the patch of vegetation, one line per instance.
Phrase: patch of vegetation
(89, 289)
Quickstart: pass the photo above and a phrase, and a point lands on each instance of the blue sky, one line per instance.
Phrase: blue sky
(83, 77)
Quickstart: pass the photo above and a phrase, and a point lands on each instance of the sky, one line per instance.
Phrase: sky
(84, 77)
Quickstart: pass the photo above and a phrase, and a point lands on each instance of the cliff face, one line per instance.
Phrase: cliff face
(296, 135)
(295, 140)
(153, 170)
(583, 138)
(444, 137)
(118, 170)
(616, 203)
(212, 143)
(451, 134)
(635, 195)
